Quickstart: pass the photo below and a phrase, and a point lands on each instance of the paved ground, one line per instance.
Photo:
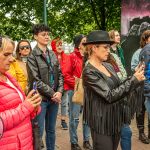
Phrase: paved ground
(62, 137)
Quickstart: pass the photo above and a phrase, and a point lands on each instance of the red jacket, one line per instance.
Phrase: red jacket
(65, 65)
(16, 116)
(76, 65)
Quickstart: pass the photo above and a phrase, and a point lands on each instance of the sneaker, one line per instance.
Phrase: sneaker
(87, 145)
(64, 125)
(42, 144)
(143, 138)
(75, 147)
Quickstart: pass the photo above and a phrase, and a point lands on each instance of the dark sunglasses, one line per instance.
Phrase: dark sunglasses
(24, 47)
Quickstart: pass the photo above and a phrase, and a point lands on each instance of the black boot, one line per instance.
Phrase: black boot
(149, 128)
(143, 138)
(87, 145)
(149, 133)
(75, 147)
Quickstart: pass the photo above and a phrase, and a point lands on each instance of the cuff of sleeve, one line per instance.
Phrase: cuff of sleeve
(52, 93)
(34, 114)
(39, 110)
(135, 80)
(60, 91)
(28, 106)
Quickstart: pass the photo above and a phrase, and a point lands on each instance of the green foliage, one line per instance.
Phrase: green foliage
(65, 17)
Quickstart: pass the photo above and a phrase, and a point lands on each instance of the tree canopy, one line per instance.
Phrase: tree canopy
(66, 18)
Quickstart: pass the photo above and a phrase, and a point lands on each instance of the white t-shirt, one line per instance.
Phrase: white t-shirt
(12, 85)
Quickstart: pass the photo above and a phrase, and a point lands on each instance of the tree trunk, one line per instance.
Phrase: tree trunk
(94, 14)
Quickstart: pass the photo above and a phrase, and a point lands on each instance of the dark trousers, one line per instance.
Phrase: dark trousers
(140, 119)
(104, 142)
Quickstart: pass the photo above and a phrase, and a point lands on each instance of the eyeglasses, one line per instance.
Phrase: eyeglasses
(44, 34)
(104, 46)
(24, 47)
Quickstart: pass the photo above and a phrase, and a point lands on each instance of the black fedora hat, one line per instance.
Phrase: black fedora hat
(98, 36)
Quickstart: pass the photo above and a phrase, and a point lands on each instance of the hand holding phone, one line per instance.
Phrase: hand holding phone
(141, 64)
(34, 99)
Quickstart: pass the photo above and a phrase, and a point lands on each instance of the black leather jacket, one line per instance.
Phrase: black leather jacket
(106, 109)
(38, 70)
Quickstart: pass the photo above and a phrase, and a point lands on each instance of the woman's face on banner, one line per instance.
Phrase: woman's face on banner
(117, 37)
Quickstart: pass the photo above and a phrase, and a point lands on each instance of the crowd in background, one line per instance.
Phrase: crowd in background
(38, 80)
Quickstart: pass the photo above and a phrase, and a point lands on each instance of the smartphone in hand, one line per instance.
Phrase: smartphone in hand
(35, 87)
(142, 63)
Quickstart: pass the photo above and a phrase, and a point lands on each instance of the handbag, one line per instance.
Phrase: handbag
(78, 92)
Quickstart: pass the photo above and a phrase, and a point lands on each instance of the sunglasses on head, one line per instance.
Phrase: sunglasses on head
(24, 47)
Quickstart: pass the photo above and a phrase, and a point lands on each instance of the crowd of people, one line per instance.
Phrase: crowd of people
(34, 82)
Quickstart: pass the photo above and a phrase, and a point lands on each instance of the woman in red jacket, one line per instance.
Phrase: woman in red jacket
(16, 110)
(65, 65)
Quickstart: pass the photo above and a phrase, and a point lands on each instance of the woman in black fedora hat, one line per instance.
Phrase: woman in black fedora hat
(105, 97)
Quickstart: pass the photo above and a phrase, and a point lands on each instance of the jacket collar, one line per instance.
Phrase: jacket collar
(76, 50)
(109, 68)
(15, 83)
(38, 51)
(62, 53)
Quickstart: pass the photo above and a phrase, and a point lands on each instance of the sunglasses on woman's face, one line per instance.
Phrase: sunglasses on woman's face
(24, 47)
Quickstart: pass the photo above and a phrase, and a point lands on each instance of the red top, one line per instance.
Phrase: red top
(66, 68)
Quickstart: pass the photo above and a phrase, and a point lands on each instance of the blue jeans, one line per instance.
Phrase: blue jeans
(126, 135)
(48, 116)
(147, 105)
(74, 112)
(64, 104)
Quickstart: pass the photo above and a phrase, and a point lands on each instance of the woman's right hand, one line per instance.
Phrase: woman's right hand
(34, 99)
(139, 73)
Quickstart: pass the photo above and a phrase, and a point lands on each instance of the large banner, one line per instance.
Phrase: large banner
(135, 18)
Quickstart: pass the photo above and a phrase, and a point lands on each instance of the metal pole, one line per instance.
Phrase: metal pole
(45, 12)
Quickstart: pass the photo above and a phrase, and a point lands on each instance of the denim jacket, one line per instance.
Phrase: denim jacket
(135, 59)
(145, 54)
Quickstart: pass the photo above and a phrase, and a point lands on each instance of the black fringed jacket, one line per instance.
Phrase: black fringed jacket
(106, 109)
